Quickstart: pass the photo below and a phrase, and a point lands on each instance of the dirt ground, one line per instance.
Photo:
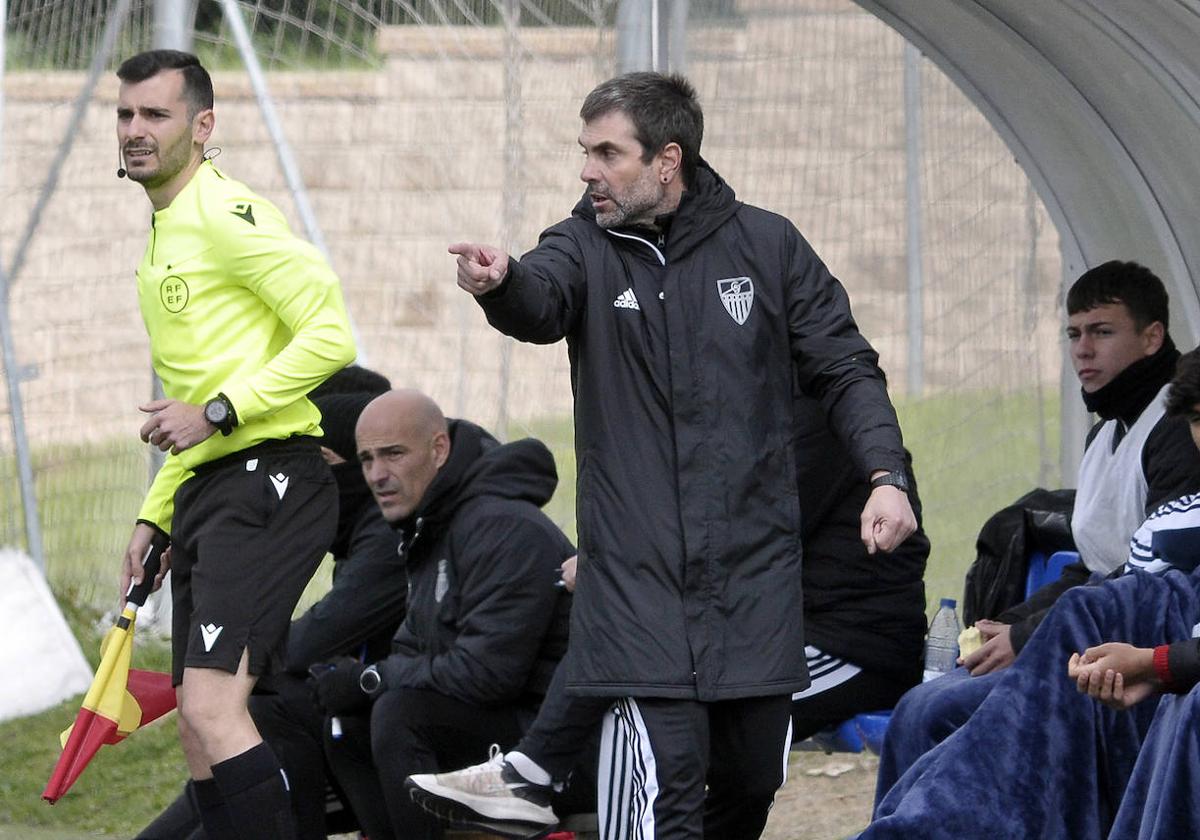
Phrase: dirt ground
(827, 797)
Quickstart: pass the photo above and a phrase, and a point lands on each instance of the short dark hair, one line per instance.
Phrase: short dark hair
(1122, 282)
(352, 379)
(1185, 386)
(663, 108)
(197, 84)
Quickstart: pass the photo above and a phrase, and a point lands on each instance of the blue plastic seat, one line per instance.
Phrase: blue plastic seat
(863, 731)
(1044, 570)
(872, 726)
(840, 738)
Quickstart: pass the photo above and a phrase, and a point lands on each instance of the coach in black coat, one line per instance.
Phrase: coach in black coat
(687, 504)
(688, 315)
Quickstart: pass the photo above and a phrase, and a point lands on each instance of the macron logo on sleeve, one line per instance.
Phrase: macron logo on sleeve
(244, 212)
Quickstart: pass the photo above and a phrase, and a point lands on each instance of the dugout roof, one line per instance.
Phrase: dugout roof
(1100, 102)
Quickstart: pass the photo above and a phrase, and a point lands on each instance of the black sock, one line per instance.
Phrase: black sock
(179, 819)
(256, 794)
(218, 824)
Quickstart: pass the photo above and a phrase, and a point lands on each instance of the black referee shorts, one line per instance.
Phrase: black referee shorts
(249, 531)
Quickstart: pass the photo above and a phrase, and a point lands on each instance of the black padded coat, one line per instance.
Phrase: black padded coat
(683, 348)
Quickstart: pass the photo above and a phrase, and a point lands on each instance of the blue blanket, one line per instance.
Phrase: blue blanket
(1160, 801)
(1038, 759)
(925, 716)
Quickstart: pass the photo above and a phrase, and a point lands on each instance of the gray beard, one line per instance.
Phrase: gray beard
(622, 216)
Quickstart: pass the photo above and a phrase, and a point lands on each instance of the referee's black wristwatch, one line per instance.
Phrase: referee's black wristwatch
(891, 479)
(370, 681)
(219, 411)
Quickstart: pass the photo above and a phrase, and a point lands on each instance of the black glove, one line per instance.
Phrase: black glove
(337, 687)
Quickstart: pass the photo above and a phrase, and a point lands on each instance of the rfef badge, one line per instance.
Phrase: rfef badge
(174, 293)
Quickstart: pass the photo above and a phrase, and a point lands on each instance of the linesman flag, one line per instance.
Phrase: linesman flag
(120, 699)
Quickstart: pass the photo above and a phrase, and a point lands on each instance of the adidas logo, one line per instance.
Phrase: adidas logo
(210, 633)
(626, 300)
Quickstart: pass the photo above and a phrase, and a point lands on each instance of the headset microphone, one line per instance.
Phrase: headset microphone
(121, 173)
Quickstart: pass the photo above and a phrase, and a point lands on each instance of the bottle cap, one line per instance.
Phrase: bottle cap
(949, 602)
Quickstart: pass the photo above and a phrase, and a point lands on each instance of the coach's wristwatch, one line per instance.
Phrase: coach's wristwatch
(891, 479)
(219, 411)
(369, 681)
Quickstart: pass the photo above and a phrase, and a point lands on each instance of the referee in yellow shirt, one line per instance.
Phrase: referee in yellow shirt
(244, 319)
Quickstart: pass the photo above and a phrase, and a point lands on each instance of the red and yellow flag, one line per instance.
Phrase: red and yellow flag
(119, 700)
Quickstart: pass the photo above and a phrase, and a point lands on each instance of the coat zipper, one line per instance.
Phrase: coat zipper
(661, 257)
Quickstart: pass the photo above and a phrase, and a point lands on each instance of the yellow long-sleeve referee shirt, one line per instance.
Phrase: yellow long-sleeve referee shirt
(234, 303)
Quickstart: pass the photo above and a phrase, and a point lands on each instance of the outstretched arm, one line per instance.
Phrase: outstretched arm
(538, 298)
(481, 268)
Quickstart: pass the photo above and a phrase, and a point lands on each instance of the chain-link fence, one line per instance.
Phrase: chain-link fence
(416, 124)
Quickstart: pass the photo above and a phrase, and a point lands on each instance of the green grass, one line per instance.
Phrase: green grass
(125, 785)
(974, 453)
(559, 436)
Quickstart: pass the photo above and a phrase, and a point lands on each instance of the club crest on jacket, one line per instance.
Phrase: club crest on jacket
(737, 296)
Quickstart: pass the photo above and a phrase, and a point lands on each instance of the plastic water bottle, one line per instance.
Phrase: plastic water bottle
(941, 648)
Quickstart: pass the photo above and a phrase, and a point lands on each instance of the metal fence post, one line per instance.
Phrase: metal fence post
(913, 228)
(14, 373)
(283, 150)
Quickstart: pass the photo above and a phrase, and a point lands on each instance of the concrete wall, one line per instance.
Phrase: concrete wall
(803, 116)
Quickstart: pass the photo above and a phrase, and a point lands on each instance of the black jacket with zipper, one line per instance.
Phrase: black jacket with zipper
(487, 621)
(683, 350)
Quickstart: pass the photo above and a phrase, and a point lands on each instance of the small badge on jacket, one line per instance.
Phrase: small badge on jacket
(737, 296)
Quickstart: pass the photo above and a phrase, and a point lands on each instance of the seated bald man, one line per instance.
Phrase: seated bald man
(486, 622)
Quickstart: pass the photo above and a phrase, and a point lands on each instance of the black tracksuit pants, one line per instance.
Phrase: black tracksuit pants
(656, 756)
(412, 731)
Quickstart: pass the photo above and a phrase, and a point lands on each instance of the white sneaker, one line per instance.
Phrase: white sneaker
(491, 796)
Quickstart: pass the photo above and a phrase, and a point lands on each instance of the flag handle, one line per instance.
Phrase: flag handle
(150, 563)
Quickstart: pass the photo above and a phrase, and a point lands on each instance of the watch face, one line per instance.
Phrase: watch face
(216, 413)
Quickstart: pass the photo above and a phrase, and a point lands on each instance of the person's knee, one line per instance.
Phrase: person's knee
(203, 715)
(189, 739)
(938, 707)
(213, 702)
(396, 715)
